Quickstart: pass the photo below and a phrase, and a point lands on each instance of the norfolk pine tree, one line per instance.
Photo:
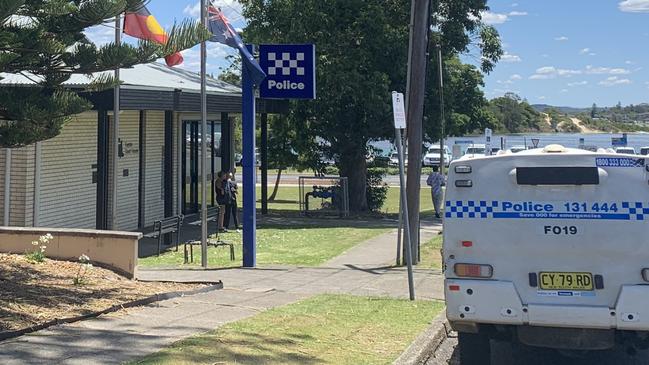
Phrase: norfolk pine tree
(43, 40)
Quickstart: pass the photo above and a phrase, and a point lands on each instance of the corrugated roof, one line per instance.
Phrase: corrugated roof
(152, 76)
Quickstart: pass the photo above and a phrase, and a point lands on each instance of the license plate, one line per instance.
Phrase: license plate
(579, 281)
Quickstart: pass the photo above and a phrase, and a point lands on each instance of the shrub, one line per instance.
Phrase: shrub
(84, 267)
(38, 255)
(377, 190)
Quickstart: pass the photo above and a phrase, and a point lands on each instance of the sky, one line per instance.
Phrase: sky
(558, 52)
(571, 53)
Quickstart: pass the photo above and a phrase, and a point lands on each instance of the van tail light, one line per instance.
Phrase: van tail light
(645, 274)
(473, 271)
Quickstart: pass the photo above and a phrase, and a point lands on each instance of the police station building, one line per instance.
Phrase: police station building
(65, 182)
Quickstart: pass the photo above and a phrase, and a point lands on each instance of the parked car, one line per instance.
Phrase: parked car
(517, 149)
(433, 154)
(644, 151)
(625, 150)
(394, 159)
(475, 150)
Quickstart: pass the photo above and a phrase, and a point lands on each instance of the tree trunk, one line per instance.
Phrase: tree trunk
(272, 196)
(353, 166)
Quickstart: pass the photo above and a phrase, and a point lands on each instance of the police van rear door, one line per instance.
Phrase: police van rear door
(566, 228)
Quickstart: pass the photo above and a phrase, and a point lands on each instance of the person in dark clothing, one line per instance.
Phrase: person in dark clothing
(223, 196)
(232, 207)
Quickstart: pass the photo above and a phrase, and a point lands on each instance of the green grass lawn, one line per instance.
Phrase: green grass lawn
(326, 329)
(288, 197)
(285, 245)
(430, 254)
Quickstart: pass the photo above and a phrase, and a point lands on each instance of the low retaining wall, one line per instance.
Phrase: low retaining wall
(111, 249)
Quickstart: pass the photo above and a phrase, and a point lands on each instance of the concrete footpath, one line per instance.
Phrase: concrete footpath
(113, 339)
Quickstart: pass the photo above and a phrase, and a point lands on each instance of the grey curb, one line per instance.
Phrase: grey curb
(426, 343)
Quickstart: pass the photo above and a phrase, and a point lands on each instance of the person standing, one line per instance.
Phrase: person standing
(436, 181)
(223, 196)
(232, 207)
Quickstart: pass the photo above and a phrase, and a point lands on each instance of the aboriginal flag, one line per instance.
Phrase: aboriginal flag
(143, 25)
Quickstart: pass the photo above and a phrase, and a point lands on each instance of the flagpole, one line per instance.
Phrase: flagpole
(204, 140)
(115, 134)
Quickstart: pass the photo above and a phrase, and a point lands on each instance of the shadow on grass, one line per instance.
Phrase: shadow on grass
(242, 347)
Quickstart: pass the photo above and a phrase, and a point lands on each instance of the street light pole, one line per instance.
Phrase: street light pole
(204, 140)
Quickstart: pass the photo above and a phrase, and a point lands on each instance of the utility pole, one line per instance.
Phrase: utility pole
(415, 110)
(440, 66)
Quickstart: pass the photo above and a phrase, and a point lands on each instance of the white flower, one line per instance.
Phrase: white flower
(49, 236)
(35, 243)
(84, 258)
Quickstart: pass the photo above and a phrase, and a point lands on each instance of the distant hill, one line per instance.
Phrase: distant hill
(562, 109)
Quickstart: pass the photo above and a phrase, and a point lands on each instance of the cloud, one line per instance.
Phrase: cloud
(562, 38)
(551, 72)
(101, 34)
(514, 5)
(493, 18)
(629, 62)
(510, 58)
(510, 80)
(541, 97)
(517, 13)
(606, 71)
(563, 91)
(634, 6)
(577, 83)
(614, 80)
(231, 8)
(584, 51)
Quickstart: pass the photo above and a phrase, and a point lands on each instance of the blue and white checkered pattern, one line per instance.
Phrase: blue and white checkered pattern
(637, 210)
(470, 209)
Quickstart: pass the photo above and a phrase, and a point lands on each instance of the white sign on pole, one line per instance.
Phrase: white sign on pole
(399, 110)
(487, 146)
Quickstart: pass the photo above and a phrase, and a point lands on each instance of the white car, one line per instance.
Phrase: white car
(547, 247)
(394, 159)
(433, 154)
(625, 150)
(517, 149)
(475, 150)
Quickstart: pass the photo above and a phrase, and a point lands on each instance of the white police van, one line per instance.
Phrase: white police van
(548, 248)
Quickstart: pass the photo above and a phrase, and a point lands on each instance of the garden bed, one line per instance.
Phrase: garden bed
(34, 294)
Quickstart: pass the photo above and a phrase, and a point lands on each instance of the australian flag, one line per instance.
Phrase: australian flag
(223, 32)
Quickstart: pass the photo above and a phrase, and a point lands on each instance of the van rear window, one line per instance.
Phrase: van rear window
(557, 176)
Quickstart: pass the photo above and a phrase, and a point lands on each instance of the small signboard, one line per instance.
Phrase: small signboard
(399, 110)
(535, 142)
(291, 71)
(619, 141)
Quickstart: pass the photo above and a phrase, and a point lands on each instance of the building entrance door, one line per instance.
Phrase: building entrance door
(191, 163)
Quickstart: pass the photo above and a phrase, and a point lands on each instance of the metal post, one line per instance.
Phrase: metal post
(249, 170)
(115, 132)
(204, 140)
(404, 199)
(264, 163)
(7, 196)
(38, 152)
(441, 110)
(400, 228)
